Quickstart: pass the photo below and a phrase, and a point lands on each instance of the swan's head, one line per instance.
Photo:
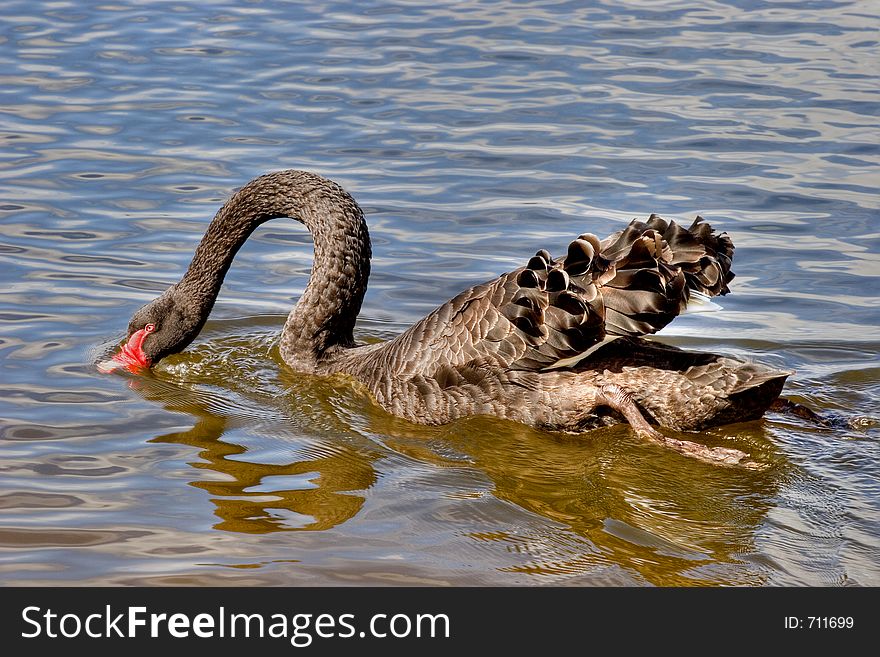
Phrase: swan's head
(161, 328)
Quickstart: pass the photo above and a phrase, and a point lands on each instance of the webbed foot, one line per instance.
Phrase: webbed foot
(826, 419)
(621, 401)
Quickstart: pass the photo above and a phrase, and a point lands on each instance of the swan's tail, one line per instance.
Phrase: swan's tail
(654, 267)
(686, 390)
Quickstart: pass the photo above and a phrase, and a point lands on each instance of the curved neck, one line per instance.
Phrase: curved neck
(325, 315)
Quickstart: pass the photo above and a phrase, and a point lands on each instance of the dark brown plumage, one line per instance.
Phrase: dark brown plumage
(533, 345)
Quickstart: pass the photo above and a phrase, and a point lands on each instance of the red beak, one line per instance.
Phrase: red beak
(131, 356)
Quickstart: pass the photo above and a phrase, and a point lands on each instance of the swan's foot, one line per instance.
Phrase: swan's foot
(829, 420)
(715, 455)
(621, 401)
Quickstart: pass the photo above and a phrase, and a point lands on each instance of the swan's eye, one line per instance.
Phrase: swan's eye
(149, 328)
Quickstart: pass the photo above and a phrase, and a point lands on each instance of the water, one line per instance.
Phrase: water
(472, 134)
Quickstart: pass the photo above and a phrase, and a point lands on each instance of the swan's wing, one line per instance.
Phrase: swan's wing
(533, 317)
(656, 266)
(526, 319)
(553, 312)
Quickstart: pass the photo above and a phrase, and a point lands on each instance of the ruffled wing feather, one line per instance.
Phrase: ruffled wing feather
(554, 310)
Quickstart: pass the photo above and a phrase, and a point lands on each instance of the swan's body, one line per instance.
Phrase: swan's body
(529, 346)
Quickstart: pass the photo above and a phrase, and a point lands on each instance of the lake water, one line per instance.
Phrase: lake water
(473, 134)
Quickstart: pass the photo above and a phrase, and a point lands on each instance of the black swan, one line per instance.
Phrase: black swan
(555, 344)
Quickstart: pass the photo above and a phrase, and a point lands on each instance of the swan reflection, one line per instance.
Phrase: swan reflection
(614, 502)
(300, 482)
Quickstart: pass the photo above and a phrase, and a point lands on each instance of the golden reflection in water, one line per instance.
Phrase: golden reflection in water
(246, 502)
(671, 519)
(250, 496)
